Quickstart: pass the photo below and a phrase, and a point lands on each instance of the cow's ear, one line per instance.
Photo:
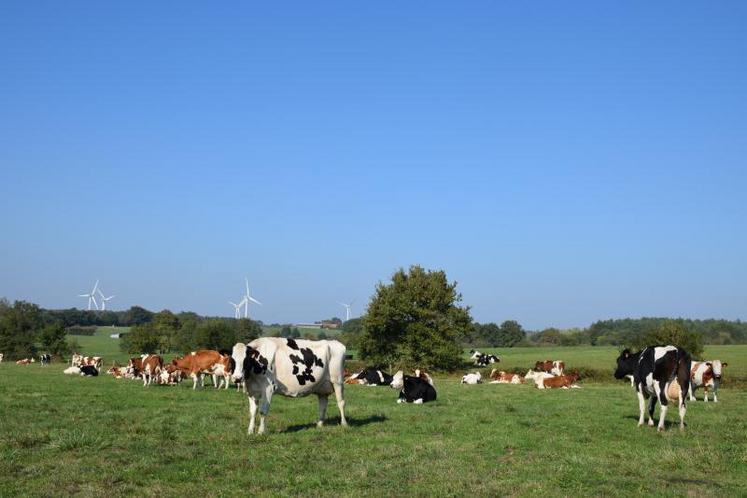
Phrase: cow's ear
(724, 364)
(709, 364)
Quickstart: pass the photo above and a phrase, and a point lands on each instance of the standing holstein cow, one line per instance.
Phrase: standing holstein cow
(293, 368)
(659, 372)
(706, 374)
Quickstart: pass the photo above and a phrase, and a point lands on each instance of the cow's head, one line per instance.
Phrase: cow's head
(717, 366)
(398, 381)
(475, 354)
(626, 363)
(247, 361)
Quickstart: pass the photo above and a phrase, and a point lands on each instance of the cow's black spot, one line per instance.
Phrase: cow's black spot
(292, 344)
(255, 362)
(305, 362)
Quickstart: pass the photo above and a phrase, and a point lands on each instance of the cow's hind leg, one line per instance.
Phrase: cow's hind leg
(323, 400)
(252, 414)
(661, 389)
(651, 408)
(339, 388)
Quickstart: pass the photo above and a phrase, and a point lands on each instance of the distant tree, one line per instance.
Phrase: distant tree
(321, 336)
(142, 339)
(166, 325)
(415, 319)
(53, 339)
(295, 334)
(286, 331)
(19, 325)
(247, 330)
(136, 316)
(215, 334)
(511, 333)
(336, 321)
(675, 333)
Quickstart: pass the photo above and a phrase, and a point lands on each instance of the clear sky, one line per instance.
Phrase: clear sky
(563, 161)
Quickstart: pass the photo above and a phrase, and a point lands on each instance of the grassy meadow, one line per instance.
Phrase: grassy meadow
(64, 436)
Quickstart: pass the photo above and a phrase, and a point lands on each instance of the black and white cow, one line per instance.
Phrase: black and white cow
(89, 371)
(293, 368)
(483, 360)
(373, 377)
(413, 389)
(659, 372)
(45, 359)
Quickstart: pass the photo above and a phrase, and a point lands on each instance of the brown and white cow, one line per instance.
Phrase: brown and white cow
(505, 378)
(554, 367)
(706, 374)
(222, 370)
(25, 361)
(197, 364)
(82, 361)
(117, 372)
(170, 375)
(560, 381)
(147, 366)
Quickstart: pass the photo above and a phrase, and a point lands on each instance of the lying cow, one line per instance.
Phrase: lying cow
(472, 378)
(413, 389)
(94, 361)
(505, 378)
(373, 377)
(72, 371)
(483, 360)
(706, 374)
(559, 381)
(293, 368)
(25, 361)
(660, 373)
(555, 367)
(117, 372)
(88, 371)
(538, 377)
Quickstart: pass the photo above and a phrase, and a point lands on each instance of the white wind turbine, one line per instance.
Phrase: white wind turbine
(347, 309)
(236, 309)
(104, 299)
(92, 296)
(247, 297)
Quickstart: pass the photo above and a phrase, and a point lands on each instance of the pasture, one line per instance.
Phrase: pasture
(65, 435)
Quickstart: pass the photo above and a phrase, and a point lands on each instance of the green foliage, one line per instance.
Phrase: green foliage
(415, 320)
(247, 330)
(53, 339)
(673, 332)
(166, 325)
(141, 339)
(215, 334)
(19, 325)
(352, 330)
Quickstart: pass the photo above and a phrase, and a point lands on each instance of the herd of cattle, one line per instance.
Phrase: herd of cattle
(297, 368)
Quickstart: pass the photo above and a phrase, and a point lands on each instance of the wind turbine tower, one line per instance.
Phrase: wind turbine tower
(247, 298)
(92, 296)
(347, 309)
(104, 299)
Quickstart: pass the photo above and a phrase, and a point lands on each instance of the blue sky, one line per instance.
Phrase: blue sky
(562, 162)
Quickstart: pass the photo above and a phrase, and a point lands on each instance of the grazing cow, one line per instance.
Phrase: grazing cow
(482, 360)
(292, 368)
(373, 377)
(555, 367)
(89, 371)
(559, 381)
(223, 370)
(505, 378)
(151, 366)
(472, 378)
(72, 371)
(45, 359)
(197, 364)
(413, 389)
(706, 374)
(661, 373)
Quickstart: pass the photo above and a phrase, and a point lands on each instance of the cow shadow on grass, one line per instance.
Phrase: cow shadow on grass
(352, 422)
(667, 423)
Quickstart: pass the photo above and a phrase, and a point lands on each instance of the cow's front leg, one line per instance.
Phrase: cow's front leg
(705, 394)
(323, 400)
(264, 408)
(641, 407)
(252, 414)
(194, 380)
(651, 408)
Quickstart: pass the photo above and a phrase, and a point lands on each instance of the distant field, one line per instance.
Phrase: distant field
(66, 436)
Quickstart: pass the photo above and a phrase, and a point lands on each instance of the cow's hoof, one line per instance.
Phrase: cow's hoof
(319, 424)
(640, 424)
(650, 423)
(400, 401)
(660, 429)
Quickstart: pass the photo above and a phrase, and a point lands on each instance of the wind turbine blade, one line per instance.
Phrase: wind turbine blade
(232, 303)
(83, 295)
(95, 286)
(110, 297)
(95, 304)
(246, 281)
(254, 300)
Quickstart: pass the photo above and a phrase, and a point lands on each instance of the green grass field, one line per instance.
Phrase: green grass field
(63, 436)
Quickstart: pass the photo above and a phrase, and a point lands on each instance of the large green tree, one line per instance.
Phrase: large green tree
(673, 332)
(19, 325)
(417, 320)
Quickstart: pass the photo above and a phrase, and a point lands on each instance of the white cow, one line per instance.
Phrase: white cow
(293, 368)
(472, 378)
(538, 378)
(72, 371)
(706, 374)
